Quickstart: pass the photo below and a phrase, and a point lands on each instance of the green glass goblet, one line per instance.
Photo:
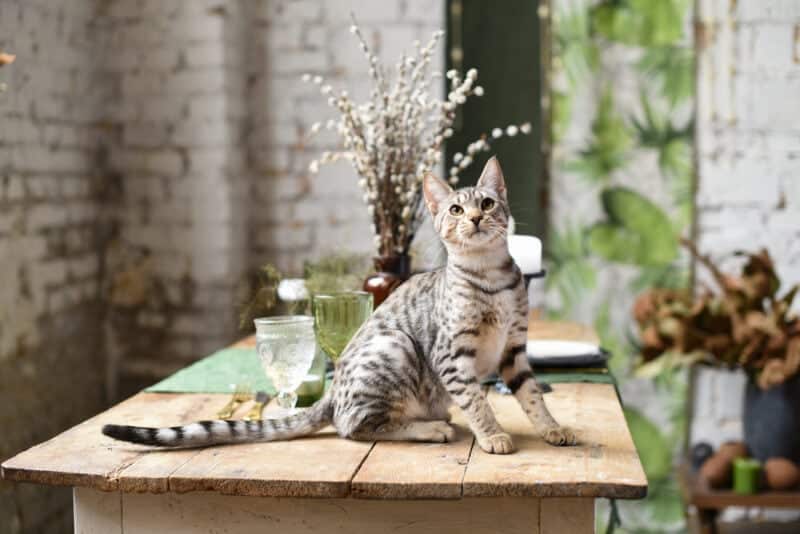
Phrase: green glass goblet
(337, 317)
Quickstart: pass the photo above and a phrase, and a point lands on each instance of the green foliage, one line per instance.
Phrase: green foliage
(621, 351)
(637, 231)
(263, 286)
(335, 272)
(669, 276)
(672, 69)
(660, 513)
(677, 164)
(652, 446)
(561, 114)
(665, 503)
(574, 46)
(572, 274)
(611, 141)
(656, 130)
(645, 23)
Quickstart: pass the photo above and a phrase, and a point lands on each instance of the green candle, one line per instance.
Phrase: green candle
(745, 475)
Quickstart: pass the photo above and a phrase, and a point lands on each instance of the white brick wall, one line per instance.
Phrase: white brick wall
(212, 120)
(179, 128)
(749, 157)
(49, 263)
(46, 160)
(297, 216)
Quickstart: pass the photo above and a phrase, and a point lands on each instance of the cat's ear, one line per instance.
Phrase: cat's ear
(436, 191)
(492, 178)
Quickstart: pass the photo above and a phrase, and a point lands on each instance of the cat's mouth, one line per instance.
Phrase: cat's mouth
(481, 234)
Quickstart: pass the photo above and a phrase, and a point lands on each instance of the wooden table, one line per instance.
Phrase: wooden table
(327, 484)
(710, 502)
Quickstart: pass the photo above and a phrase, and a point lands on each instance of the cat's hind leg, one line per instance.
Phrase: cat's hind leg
(410, 430)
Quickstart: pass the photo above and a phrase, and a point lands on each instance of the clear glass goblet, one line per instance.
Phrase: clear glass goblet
(286, 347)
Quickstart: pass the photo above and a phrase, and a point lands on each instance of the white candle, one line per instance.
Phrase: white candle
(527, 252)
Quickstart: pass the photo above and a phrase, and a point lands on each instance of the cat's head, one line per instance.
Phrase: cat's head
(471, 217)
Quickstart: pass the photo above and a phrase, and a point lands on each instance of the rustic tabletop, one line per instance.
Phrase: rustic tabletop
(605, 464)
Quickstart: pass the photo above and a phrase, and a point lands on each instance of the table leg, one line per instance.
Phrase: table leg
(96, 512)
(202, 513)
(708, 520)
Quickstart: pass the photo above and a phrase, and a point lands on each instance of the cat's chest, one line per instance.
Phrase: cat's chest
(489, 347)
(492, 318)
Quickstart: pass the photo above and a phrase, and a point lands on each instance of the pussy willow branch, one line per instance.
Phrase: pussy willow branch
(397, 135)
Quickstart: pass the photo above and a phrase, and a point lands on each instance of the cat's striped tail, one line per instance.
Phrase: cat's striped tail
(206, 433)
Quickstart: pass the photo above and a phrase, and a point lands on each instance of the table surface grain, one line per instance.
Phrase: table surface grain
(604, 464)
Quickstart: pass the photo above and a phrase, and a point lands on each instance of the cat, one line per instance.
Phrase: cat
(427, 346)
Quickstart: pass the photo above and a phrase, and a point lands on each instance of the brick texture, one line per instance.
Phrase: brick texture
(749, 158)
(151, 153)
(51, 368)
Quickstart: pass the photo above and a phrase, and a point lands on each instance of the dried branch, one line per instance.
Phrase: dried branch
(396, 136)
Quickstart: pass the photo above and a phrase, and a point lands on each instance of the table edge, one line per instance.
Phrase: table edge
(332, 489)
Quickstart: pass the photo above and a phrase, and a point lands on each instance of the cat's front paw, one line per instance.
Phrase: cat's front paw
(497, 444)
(560, 436)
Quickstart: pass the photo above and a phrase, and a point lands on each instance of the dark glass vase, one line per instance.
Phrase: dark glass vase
(390, 272)
(772, 420)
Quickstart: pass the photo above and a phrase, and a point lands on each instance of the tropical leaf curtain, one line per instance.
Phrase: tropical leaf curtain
(621, 195)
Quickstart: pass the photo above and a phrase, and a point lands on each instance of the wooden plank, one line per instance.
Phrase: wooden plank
(605, 464)
(82, 456)
(96, 512)
(416, 470)
(561, 330)
(321, 465)
(205, 513)
(560, 515)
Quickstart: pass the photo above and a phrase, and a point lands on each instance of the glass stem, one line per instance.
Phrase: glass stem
(287, 400)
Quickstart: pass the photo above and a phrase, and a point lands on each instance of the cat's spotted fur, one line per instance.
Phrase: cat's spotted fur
(428, 345)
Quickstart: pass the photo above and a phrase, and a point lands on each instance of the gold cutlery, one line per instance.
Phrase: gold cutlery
(241, 394)
(255, 412)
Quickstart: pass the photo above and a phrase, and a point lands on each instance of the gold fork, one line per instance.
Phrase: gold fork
(241, 394)
(261, 399)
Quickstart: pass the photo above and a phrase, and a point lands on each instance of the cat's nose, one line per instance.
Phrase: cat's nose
(476, 219)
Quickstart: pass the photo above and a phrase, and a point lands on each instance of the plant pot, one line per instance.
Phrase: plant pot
(391, 271)
(772, 420)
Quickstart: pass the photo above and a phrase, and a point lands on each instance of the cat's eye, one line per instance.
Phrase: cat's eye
(487, 204)
(455, 209)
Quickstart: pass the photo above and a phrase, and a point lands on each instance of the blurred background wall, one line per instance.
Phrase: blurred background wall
(151, 152)
(748, 150)
(52, 219)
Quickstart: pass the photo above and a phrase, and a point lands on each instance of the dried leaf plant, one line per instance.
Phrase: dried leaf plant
(397, 135)
(744, 324)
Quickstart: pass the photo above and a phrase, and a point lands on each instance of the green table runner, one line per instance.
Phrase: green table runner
(219, 372)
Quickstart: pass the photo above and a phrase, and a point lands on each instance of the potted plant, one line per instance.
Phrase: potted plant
(743, 324)
(395, 137)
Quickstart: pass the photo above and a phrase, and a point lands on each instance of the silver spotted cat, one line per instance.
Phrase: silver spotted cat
(427, 346)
